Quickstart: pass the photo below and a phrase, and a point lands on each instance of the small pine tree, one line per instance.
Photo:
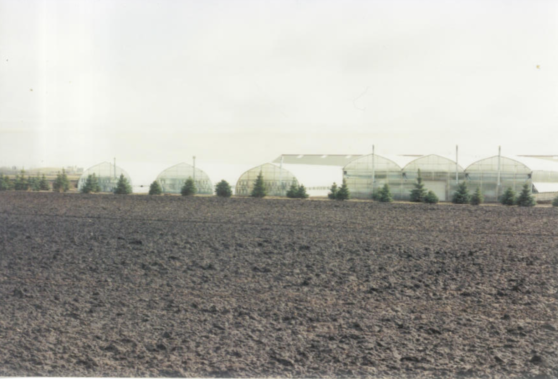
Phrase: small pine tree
(96, 186)
(61, 183)
(301, 192)
(4, 182)
(7, 183)
(430, 198)
(155, 188)
(35, 183)
(333, 192)
(189, 187)
(292, 193)
(477, 197)
(525, 198)
(508, 198)
(43, 184)
(555, 202)
(21, 184)
(88, 186)
(223, 189)
(461, 196)
(259, 187)
(385, 194)
(123, 187)
(343, 193)
(91, 184)
(419, 192)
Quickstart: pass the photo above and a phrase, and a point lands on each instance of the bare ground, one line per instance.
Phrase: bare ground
(102, 285)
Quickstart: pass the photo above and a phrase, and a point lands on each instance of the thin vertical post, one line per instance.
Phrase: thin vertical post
(281, 186)
(456, 164)
(499, 156)
(373, 169)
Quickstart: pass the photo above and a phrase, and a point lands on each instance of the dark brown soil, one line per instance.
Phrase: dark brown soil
(102, 285)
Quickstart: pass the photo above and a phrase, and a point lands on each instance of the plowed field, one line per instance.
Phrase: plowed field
(102, 285)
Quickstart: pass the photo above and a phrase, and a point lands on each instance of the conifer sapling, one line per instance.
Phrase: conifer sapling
(223, 189)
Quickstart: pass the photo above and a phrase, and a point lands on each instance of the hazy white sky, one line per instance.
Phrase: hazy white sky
(82, 81)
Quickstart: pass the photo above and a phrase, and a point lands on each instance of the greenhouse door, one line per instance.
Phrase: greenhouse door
(439, 188)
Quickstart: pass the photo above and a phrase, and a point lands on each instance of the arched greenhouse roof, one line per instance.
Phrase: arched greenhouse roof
(364, 163)
(107, 174)
(432, 163)
(506, 165)
(172, 179)
(277, 180)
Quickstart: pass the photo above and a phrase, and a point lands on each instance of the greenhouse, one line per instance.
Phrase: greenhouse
(439, 175)
(496, 174)
(172, 179)
(277, 180)
(360, 173)
(107, 175)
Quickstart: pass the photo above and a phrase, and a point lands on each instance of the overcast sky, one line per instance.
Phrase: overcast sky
(244, 81)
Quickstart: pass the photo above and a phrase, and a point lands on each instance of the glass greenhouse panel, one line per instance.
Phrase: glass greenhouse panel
(173, 178)
(277, 180)
(359, 173)
(484, 175)
(439, 174)
(107, 175)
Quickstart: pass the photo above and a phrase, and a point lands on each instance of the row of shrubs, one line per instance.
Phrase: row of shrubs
(37, 183)
(461, 196)
(223, 189)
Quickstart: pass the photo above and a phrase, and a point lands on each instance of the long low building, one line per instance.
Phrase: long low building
(366, 174)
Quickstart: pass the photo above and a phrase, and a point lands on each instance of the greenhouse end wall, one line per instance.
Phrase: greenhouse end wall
(173, 178)
(107, 174)
(277, 180)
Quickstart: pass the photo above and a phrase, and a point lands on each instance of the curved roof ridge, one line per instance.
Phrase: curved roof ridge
(496, 156)
(376, 155)
(433, 155)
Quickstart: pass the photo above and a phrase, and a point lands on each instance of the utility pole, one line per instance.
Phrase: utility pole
(499, 155)
(373, 169)
(456, 164)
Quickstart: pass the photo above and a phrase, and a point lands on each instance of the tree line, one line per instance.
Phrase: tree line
(418, 194)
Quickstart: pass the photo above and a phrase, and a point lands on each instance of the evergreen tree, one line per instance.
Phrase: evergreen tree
(43, 184)
(223, 189)
(525, 198)
(430, 198)
(477, 197)
(5, 183)
(96, 184)
(419, 192)
(385, 194)
(21, 184)
(555, 202)
(461, 196)
(259, 187)
(123, 187)
(301, 192)
(155, 188)
(343, 193)
(333, 192)
(35, 183)
(292, 193)
(61, 183)
(91, 184)
(508, 198)
(189, 187)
